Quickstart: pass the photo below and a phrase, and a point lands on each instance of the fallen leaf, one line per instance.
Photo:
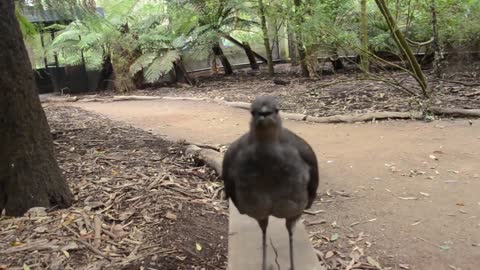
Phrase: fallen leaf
(433, 157)
(416, 223)
(444, 247)
(450, 181)
(66, 253)
(408, 198)
(26, 267)
(425, 194)
(70, 218)
(373, 262)
(119, 231)
(16, 243)
(40, 229)
(171, 216)
(329, 254)
(198, 247)
(404, 266)
(334, 237)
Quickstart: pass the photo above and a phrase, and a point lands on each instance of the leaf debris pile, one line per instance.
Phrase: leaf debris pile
(338, 94)
(138, 203)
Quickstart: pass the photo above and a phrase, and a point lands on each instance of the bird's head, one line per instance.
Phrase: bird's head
(265, 120)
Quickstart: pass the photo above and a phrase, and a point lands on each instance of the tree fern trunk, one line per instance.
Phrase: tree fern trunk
(181, 74)
(436, 41)
(302, 54)
(107, 74)
(250, 56)
(227, 67)
(266, 39)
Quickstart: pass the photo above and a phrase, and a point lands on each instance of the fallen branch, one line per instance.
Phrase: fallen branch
(365, 117)
(207, 146)
(98, 231)
(453, 112)
(211, 158)
(241, 105)
(87, 245)
(123, 98)
(58, 99)
(313, 213)
(473, 94)
(462, 83)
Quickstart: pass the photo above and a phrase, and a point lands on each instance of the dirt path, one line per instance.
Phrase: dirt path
(425, 212)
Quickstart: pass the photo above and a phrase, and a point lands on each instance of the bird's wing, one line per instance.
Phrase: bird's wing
(227, 167)
(308, 155)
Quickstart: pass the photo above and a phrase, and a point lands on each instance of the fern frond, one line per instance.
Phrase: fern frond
(142, 62)
(161, 65)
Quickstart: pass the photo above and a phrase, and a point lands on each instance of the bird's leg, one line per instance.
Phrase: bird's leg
(263, 225)
(290, 223)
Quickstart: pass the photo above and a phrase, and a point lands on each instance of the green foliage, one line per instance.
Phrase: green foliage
(27, 28)
(160, 65)
(149, 35)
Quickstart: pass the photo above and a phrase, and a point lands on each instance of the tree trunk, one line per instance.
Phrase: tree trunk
(266, 39)
(402, 44)
(302, 54)
(181, 74)
(336, 61)
(217, 50)
(240, 44)
(436, 42)
(250, 56)
(29, 173)
(106, 74)
(364, 36)
(292, 49)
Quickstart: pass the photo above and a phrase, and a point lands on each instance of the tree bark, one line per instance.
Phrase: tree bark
(266, 39)
(292, 48)
(240, 44)
(250, 56)
(364, 36)
(29, 173)
(107, 74)
(416, 70)
(436, 42)
(181, 74)
(302, 54)
(227, 67)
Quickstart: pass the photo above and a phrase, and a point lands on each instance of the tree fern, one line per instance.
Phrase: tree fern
(142, 62)
(161, 65)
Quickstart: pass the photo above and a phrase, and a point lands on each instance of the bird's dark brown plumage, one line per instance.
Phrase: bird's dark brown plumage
(270, 171)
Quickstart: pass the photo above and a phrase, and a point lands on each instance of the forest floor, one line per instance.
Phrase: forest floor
(139, 203)
(342, 93)
(403, 192)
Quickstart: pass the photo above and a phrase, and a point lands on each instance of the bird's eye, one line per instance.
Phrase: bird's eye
(276, 110)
